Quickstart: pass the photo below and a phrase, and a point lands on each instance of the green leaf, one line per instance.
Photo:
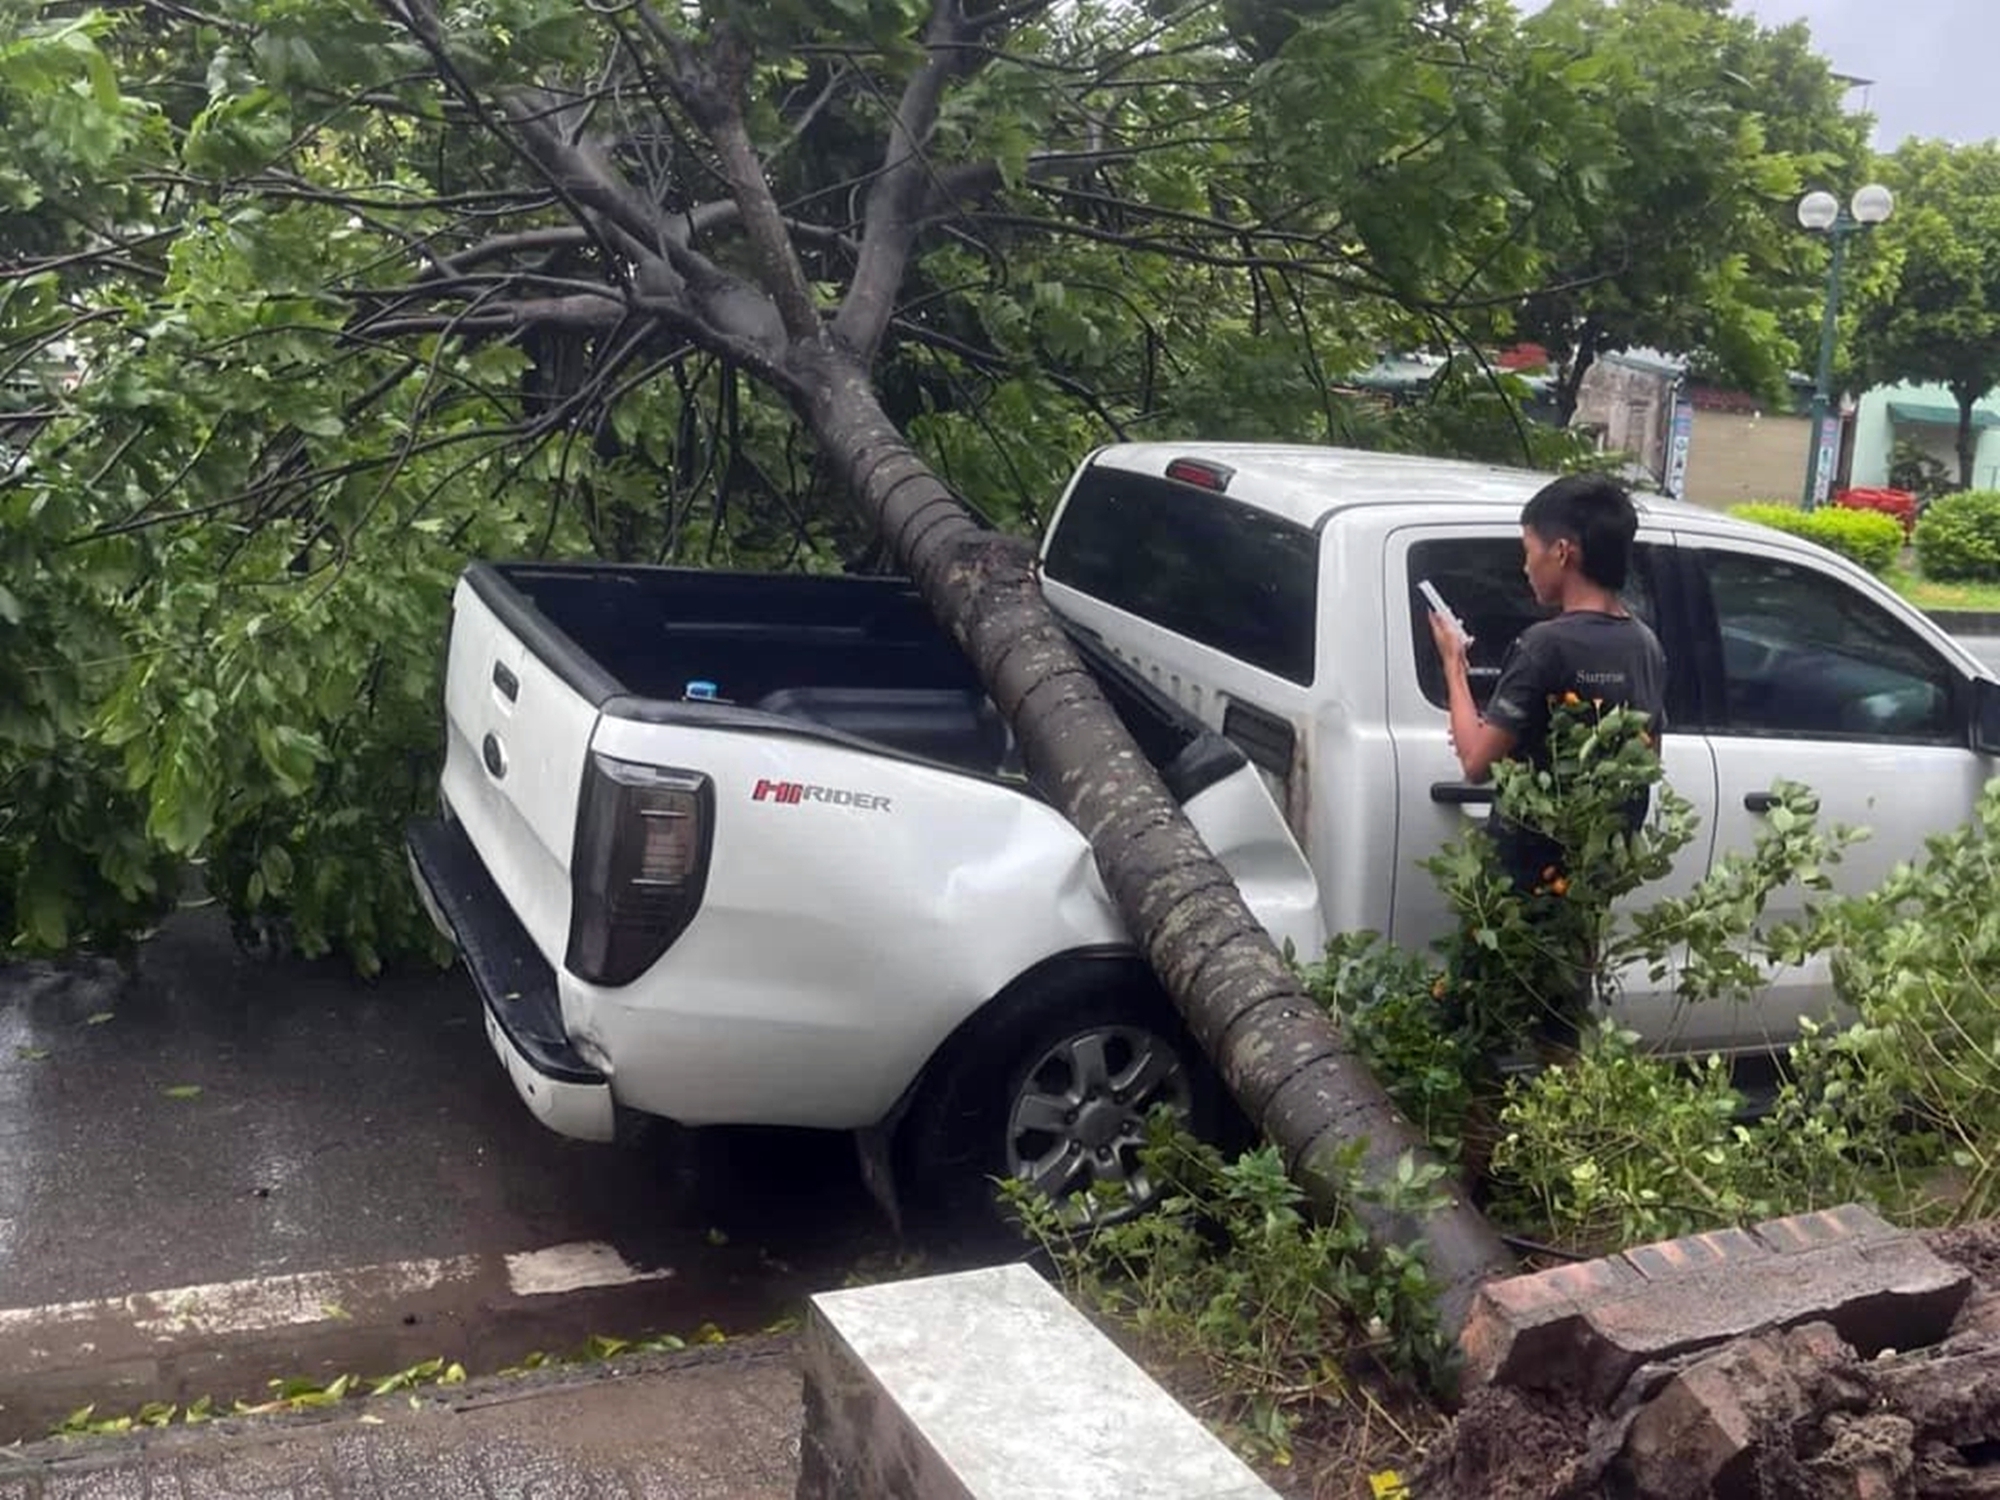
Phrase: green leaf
(182, 1091)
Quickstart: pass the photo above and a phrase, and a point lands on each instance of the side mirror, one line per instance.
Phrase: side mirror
(1986, 715)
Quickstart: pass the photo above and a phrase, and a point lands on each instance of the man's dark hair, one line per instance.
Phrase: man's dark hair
(1594, 512)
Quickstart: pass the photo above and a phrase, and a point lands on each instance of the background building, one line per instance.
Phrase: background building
(1925, 416)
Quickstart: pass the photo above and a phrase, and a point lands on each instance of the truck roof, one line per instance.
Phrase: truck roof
(1304, 484)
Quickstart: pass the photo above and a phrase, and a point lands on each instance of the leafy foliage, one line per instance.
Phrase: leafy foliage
(1675, 138)
(1936, 315)
(1919, 962)
(1605, 1145)
(1285, 1311)
(1959, 537)
(1867, 537)
(1913, 468)
(1387, 1002)
(1526, 963)
(1599, 1145)
(1651, 1149)
(309, 304)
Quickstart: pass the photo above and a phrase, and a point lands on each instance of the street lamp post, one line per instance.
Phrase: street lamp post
(1821, 212)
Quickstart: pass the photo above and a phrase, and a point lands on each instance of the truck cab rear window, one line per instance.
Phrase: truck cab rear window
(1203, 566)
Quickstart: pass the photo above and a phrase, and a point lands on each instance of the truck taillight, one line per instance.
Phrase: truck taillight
(641, 859)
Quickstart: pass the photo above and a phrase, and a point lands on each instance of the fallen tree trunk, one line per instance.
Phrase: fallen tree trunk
(1278, 1052)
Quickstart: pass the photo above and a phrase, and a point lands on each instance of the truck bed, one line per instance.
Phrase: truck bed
(859, 658)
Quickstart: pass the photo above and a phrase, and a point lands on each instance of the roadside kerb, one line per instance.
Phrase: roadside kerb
(1967, 621)
(226, 1340)
(717, 1423)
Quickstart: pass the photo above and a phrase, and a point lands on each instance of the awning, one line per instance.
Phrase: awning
(1926, 414)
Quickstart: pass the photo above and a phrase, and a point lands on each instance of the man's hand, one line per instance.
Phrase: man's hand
(1451, 645)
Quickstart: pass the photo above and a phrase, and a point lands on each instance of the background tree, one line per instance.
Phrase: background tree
(1676, 137)
(1935, 316)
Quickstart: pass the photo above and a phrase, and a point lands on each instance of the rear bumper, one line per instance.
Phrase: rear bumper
(517, 987)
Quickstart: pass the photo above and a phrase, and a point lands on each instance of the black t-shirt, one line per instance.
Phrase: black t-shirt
(1612, 658)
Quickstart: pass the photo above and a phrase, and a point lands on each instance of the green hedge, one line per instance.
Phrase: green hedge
(1866, 536)
(1958, 538)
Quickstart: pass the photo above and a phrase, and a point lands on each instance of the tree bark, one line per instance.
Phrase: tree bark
(1967, 447)
(1569, 389)
(1277, 1051)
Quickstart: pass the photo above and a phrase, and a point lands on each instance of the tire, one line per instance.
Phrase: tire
(1054, 1085)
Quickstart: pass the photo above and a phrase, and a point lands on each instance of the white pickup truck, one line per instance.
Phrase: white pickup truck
(740, 849)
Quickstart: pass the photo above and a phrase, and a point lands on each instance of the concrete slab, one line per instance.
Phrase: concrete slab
(989, 1385)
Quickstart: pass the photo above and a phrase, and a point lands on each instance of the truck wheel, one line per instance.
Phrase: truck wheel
(1055, 1089)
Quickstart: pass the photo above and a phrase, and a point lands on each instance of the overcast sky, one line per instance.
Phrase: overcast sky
(1935, 63)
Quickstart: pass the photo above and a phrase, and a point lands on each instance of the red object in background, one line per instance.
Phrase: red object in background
(1523, 357)
(1902, 504)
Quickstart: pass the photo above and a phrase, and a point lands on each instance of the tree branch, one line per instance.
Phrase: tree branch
(500, 246)
(897, 198)
(578, 168)
(716, 309)
(581, 313)
(709, 85)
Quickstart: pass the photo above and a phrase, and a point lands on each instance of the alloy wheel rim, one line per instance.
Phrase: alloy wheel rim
(1079, 1119)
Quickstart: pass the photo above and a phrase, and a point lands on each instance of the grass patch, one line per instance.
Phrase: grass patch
(1926, 594)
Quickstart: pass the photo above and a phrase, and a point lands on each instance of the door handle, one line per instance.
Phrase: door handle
(493, 755)
(1461, 793)
(1763, 802)
(506, 681)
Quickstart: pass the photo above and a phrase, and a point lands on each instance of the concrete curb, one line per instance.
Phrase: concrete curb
(712, 1420)
(1967, 621)
(226, 1340)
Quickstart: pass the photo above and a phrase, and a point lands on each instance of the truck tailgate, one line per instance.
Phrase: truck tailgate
(516, 738)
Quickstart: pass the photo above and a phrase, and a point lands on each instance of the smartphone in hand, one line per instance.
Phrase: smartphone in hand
(1438, 607)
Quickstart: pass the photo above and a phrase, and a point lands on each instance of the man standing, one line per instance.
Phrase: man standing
(1576, 541)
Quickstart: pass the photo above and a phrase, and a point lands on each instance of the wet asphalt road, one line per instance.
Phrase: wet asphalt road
(339, 1124)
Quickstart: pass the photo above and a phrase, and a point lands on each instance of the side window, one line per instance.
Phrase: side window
(1199, 564)
(1481, 579)
(1803, 654)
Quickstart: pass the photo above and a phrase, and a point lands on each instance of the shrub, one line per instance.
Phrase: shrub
(1959, 537)
(1911, 468)
(1613, 1147)
(1285, 1311)
(1863, 536)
